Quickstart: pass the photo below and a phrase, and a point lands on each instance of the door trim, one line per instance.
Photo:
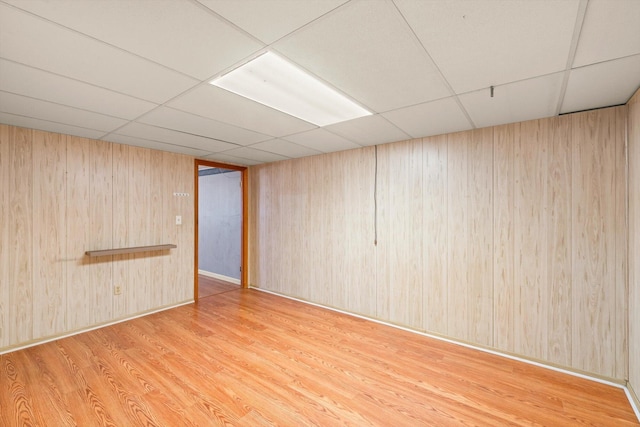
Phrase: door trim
(244, 248)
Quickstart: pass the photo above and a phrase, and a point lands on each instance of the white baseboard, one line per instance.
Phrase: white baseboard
(219, 277)
(91, 328)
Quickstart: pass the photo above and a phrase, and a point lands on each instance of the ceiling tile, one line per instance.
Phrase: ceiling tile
(285, 148)
(31, 123)
(514, 102)
(184, 122)
(601, 85)
(154, 133)
(366, 50)
(219, 104)
(224, 158)
(611, 30)
(370, 130)
(154, 145)
(432, 118)
(257, 16)
(35, 42)
(323, 141)
(477, 44)
(176, 34)
(256, 155)
(30, 107)
(31, 82)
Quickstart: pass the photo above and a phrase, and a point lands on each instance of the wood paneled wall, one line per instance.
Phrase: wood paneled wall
(61, 196)
(634, 242)
(510, 237)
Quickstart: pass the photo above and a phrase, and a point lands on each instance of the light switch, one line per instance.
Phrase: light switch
(178, 219)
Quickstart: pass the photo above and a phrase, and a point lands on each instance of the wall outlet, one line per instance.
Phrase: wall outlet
(178, 219)
(117, 290)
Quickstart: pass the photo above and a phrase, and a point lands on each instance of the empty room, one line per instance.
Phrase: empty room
(319, 212)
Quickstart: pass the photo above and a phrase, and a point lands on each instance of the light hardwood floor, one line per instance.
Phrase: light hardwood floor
(208, 286)
(247, 358)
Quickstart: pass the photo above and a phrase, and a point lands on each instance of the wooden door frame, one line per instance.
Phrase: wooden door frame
(245, 220)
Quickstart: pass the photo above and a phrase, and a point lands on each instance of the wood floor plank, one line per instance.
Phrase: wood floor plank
(248, 358)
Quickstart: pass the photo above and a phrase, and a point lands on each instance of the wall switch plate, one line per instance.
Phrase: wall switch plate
(178, 219)
(117, 290)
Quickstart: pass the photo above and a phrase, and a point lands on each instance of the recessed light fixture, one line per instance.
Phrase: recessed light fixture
(277, 83)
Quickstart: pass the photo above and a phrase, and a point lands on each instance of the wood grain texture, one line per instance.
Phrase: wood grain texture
(634, 242)
(5, 250)
(434, 236)
(120, 229)
(399, 250)
(499, 217)
(506, 138)
(594, 235)
(249, 358)
(80, 293)
(530, 274)
(21, 235)
(49, 225)
(559, 214)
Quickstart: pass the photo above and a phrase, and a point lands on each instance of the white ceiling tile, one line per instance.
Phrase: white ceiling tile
(611, 30)
(35, 42)
(432, 118)
(154, 145)
(370, 130)
(601, 85)
(366, 50)
(184, 122)
(23, 80)
(514, 102)
(257, 17)
(224, 158)
(256, 155)
(176, 34)
(477, 44)
(219, 104)
(285, 148)
(322, 141)
(30, 107)
(139, 130)
(31, 123)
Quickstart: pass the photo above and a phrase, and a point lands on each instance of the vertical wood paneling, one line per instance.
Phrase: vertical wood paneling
(457, 234)
(101, 214)
(622, 246)
(5, 249)
(61, 196)
(594, 241)
(530, 241)
(434, 236)
(505, 139)
(156, 225)
(634, 241)
(80, 292)
(21, 235)
(120, 229)
(49, 231)
(480, 255)
(559, 241)
(138, 293)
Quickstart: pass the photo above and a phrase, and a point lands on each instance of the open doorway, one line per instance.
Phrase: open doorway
(221, 230)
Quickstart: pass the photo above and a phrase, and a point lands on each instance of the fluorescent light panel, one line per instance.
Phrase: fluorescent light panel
(276, 83)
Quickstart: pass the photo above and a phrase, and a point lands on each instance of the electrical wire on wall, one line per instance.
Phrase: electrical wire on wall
(375, 198)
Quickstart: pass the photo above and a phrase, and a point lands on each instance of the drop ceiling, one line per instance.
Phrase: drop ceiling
(137, 72)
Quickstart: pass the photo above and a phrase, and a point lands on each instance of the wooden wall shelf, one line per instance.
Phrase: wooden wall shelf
(130, 250)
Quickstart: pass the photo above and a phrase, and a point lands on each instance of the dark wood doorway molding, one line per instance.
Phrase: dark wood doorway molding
(245, 220)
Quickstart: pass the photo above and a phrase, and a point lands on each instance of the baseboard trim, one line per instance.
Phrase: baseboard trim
(219, 277)
(631, 396)
(633, 399)
(91, 328)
